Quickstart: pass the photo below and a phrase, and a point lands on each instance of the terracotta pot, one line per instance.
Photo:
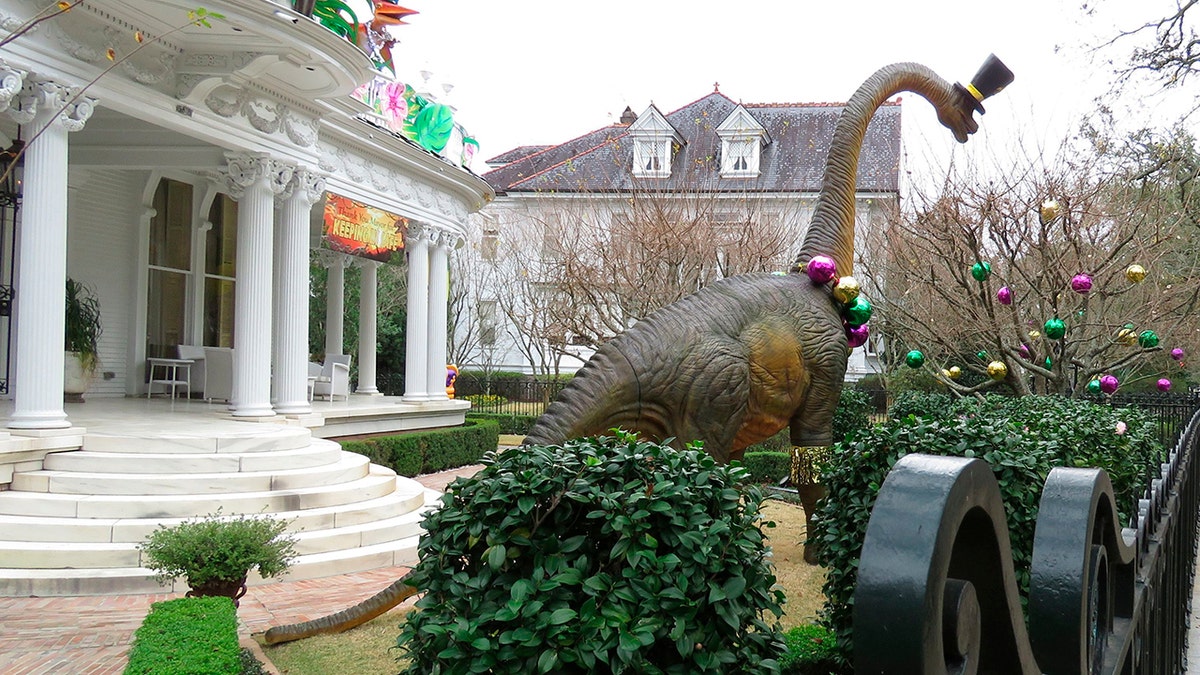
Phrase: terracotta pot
(220, 587)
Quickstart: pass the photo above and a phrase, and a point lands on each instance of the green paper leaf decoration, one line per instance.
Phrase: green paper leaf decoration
(434, 125)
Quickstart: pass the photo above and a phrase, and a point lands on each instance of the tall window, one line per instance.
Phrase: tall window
(170, 264)
(487, 322)
(651, 157)
(220, 272)
(490, 243)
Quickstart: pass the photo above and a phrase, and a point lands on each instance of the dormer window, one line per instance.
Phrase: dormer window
(654, 140)
(742, 140)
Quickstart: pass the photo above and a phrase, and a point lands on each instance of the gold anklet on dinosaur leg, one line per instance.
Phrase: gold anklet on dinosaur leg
(807, 461)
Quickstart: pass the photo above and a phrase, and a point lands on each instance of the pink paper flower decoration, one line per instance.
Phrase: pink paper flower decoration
(1121, 427)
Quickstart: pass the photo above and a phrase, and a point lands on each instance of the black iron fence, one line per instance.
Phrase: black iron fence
(1170, 411)
(937, 593)
(520, 396)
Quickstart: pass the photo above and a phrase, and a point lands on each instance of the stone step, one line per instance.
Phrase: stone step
(255, 438)
(378, 482)
(350, 466)
(61, 582)
(74, 555)
(408, 497)
(320, 453)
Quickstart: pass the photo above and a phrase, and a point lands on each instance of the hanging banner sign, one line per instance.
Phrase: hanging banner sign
(365, 231)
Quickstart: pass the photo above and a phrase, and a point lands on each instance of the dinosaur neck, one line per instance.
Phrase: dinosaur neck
(832, 230)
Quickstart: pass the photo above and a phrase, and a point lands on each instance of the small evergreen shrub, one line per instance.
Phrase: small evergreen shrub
(1021, 438)
(432, 450)
(485, 400)
(510, 423)
(767, 467)
(186, 636)
(921, 404)
(810, 650)
(216, 549)
(852, 414)
(600, 555)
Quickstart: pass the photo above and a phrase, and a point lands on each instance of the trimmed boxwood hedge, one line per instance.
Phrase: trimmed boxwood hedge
(187, 635)
(431, 450)
(767, 467)
(510, 423)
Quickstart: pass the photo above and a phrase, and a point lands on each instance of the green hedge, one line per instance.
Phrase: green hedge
(767, 467)
(510, 423)
(811, 650)
(187, 635)
(419, 452)
(1022, 439)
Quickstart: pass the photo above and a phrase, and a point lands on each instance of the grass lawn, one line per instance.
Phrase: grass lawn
(366, 650)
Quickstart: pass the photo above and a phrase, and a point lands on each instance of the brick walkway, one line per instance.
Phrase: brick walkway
(90, 635)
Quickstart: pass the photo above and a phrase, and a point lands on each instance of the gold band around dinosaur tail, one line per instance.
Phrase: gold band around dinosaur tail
(807, 462)
(975, 92)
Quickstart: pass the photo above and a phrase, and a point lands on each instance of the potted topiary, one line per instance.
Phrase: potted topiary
(82, 331)
(214, 553)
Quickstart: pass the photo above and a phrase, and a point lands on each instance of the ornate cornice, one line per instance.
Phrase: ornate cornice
(264, 114)
(246, 169)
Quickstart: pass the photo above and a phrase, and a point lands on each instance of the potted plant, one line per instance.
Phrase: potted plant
(214, 553)
(82, 332)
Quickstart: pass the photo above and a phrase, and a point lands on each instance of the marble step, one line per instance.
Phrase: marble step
(129, 580)
(254, 439)
(408, 497)
(320, 453)
(74, 555)
(350, 466)
(378, 482)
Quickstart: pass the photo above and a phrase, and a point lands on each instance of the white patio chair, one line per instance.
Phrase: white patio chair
(194, 353)
(334, 377)
(218, 373)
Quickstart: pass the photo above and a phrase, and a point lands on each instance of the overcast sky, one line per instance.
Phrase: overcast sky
(542, 72)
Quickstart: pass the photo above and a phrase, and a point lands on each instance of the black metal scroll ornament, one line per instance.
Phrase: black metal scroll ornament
(936, 592)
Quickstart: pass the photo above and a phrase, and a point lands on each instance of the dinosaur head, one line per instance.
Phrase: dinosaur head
(993, 76)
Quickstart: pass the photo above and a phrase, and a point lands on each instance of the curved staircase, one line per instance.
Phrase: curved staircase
(73, 527)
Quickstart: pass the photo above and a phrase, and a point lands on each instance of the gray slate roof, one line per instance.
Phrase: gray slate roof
(794, 161)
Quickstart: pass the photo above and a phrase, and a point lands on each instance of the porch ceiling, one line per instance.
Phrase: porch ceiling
(113, 139)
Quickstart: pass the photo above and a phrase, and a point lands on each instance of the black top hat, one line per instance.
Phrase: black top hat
(993, 76)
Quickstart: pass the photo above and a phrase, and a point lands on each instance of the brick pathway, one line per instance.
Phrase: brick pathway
(90, 635)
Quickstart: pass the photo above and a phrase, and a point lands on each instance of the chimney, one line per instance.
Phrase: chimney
(628, 117)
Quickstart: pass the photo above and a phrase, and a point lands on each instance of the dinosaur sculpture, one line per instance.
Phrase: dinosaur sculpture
(739, 360)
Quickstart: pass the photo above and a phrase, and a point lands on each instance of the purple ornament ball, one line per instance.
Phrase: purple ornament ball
(821, 269)
(1164, 384)
(1177, 354)
(857, 336)
(1081, 283)
(1004, 295)
(1109, 384)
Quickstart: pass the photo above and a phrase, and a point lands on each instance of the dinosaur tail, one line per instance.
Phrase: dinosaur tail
(348, 618)
(832, 230)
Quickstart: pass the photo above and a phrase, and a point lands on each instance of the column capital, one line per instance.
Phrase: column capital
(244, 169)
(363, 263)
(70, 107)
(326, 258)
(306, 185)
(417, 231)
(12, 80)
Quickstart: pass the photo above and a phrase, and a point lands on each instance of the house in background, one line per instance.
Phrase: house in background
(654, 206)
(188, 172)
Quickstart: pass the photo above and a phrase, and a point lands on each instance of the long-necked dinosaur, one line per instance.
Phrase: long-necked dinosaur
(741, 359)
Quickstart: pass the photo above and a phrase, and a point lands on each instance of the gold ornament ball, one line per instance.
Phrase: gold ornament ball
(955, 372)
(1127, 337)
(1135, 273)
(945, 373)
(997, 370)
(846, 290)
(1035, 334)
(1049, 211)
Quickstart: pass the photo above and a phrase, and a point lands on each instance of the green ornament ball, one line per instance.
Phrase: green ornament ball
(914, 359)
(981, 355)
(1093, 387)
(1148, 339)
(1055, 329)
(858, 312)
(1049, 363)
(981, 271)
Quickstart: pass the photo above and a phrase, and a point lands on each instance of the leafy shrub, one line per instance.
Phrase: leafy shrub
(852, 413)
(219, 548)
(418, 452)
(811, 650)
(921, 404)
(510, 423)
(1021, 438)
(489, 400)
(250, 665)
(600, 555)
(767, 467)
(495, 375)
(184, 636)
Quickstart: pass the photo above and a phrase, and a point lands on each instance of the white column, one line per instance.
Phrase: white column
(439, 298)
(47, 112)
(335, 304)
(416, 351)
(291, 316)
(367, 321)
(259, 178)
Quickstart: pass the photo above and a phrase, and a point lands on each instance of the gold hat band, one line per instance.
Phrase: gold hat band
(975, 92)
